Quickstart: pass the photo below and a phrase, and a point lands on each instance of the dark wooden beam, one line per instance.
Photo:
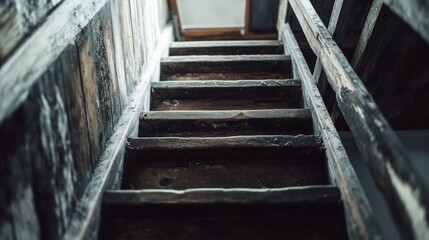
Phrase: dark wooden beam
(379, 145)
(394, 69)
(413, 12)
(359, 216)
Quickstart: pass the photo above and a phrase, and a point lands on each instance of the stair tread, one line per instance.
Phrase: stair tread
(227, 84)
(234, 43)
(225, 67)
(271, 141)
(302, 194)
(225, 123)
(226, 95)
(228, 114)
(225, 58)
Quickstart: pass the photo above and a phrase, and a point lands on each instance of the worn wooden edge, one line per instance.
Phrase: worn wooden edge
(28, 62)
(302, 195)
(84, 223)
(359, 215)
(386, 157)
(223, 58)
(228, 114)
(271, 141)
(414, 12)
(225, 84)
(238, 43)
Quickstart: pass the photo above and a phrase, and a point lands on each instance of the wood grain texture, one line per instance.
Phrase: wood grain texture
(225, 123)
(86, 52)
(239, 161)
(226, 65)
(224, 95)
(380, 147)
(359, 216)
(306, 194)
(28, 63)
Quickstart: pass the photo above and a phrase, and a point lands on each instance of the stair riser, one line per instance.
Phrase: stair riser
(236, 167)
(244, 50)
(225, 69)
(224, 127)
(220, 221)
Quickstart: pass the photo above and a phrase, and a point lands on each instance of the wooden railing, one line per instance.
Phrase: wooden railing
(385, 156)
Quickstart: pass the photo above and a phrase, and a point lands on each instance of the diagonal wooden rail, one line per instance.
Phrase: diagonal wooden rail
(385, 156)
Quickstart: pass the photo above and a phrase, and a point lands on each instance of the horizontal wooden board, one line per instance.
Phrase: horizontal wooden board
(307, 194)
(244, 161)
(224, 221)
(226, 95)
(225, 48)
(225, 123)
(226, 67)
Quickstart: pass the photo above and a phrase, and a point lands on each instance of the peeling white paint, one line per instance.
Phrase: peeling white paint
(409, 198)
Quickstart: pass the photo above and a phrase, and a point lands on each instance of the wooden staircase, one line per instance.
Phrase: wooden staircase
(228, 151)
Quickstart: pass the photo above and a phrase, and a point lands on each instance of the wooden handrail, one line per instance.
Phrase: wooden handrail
(385, 156)
(359, 216)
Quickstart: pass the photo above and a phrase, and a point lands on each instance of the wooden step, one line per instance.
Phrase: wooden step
(226, 95)
(228, 162)
(226, 67)
(225, 123)
(226, 48)
(293, 213)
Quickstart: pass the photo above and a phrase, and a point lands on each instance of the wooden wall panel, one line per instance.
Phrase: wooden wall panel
(52, 144)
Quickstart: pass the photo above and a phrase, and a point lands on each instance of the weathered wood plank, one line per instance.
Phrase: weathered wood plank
(228, 162)
(10, 27)
(360, 222)
(224, 221)
(225, 123)
(224, 95)
(306, 194)
(76, 112)
(28, 63)
(225, 48)
(223, 66)
(84, 223)
(380, 147)
(414, 12)
(86, 50)
(118, 34)
(127, 41)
